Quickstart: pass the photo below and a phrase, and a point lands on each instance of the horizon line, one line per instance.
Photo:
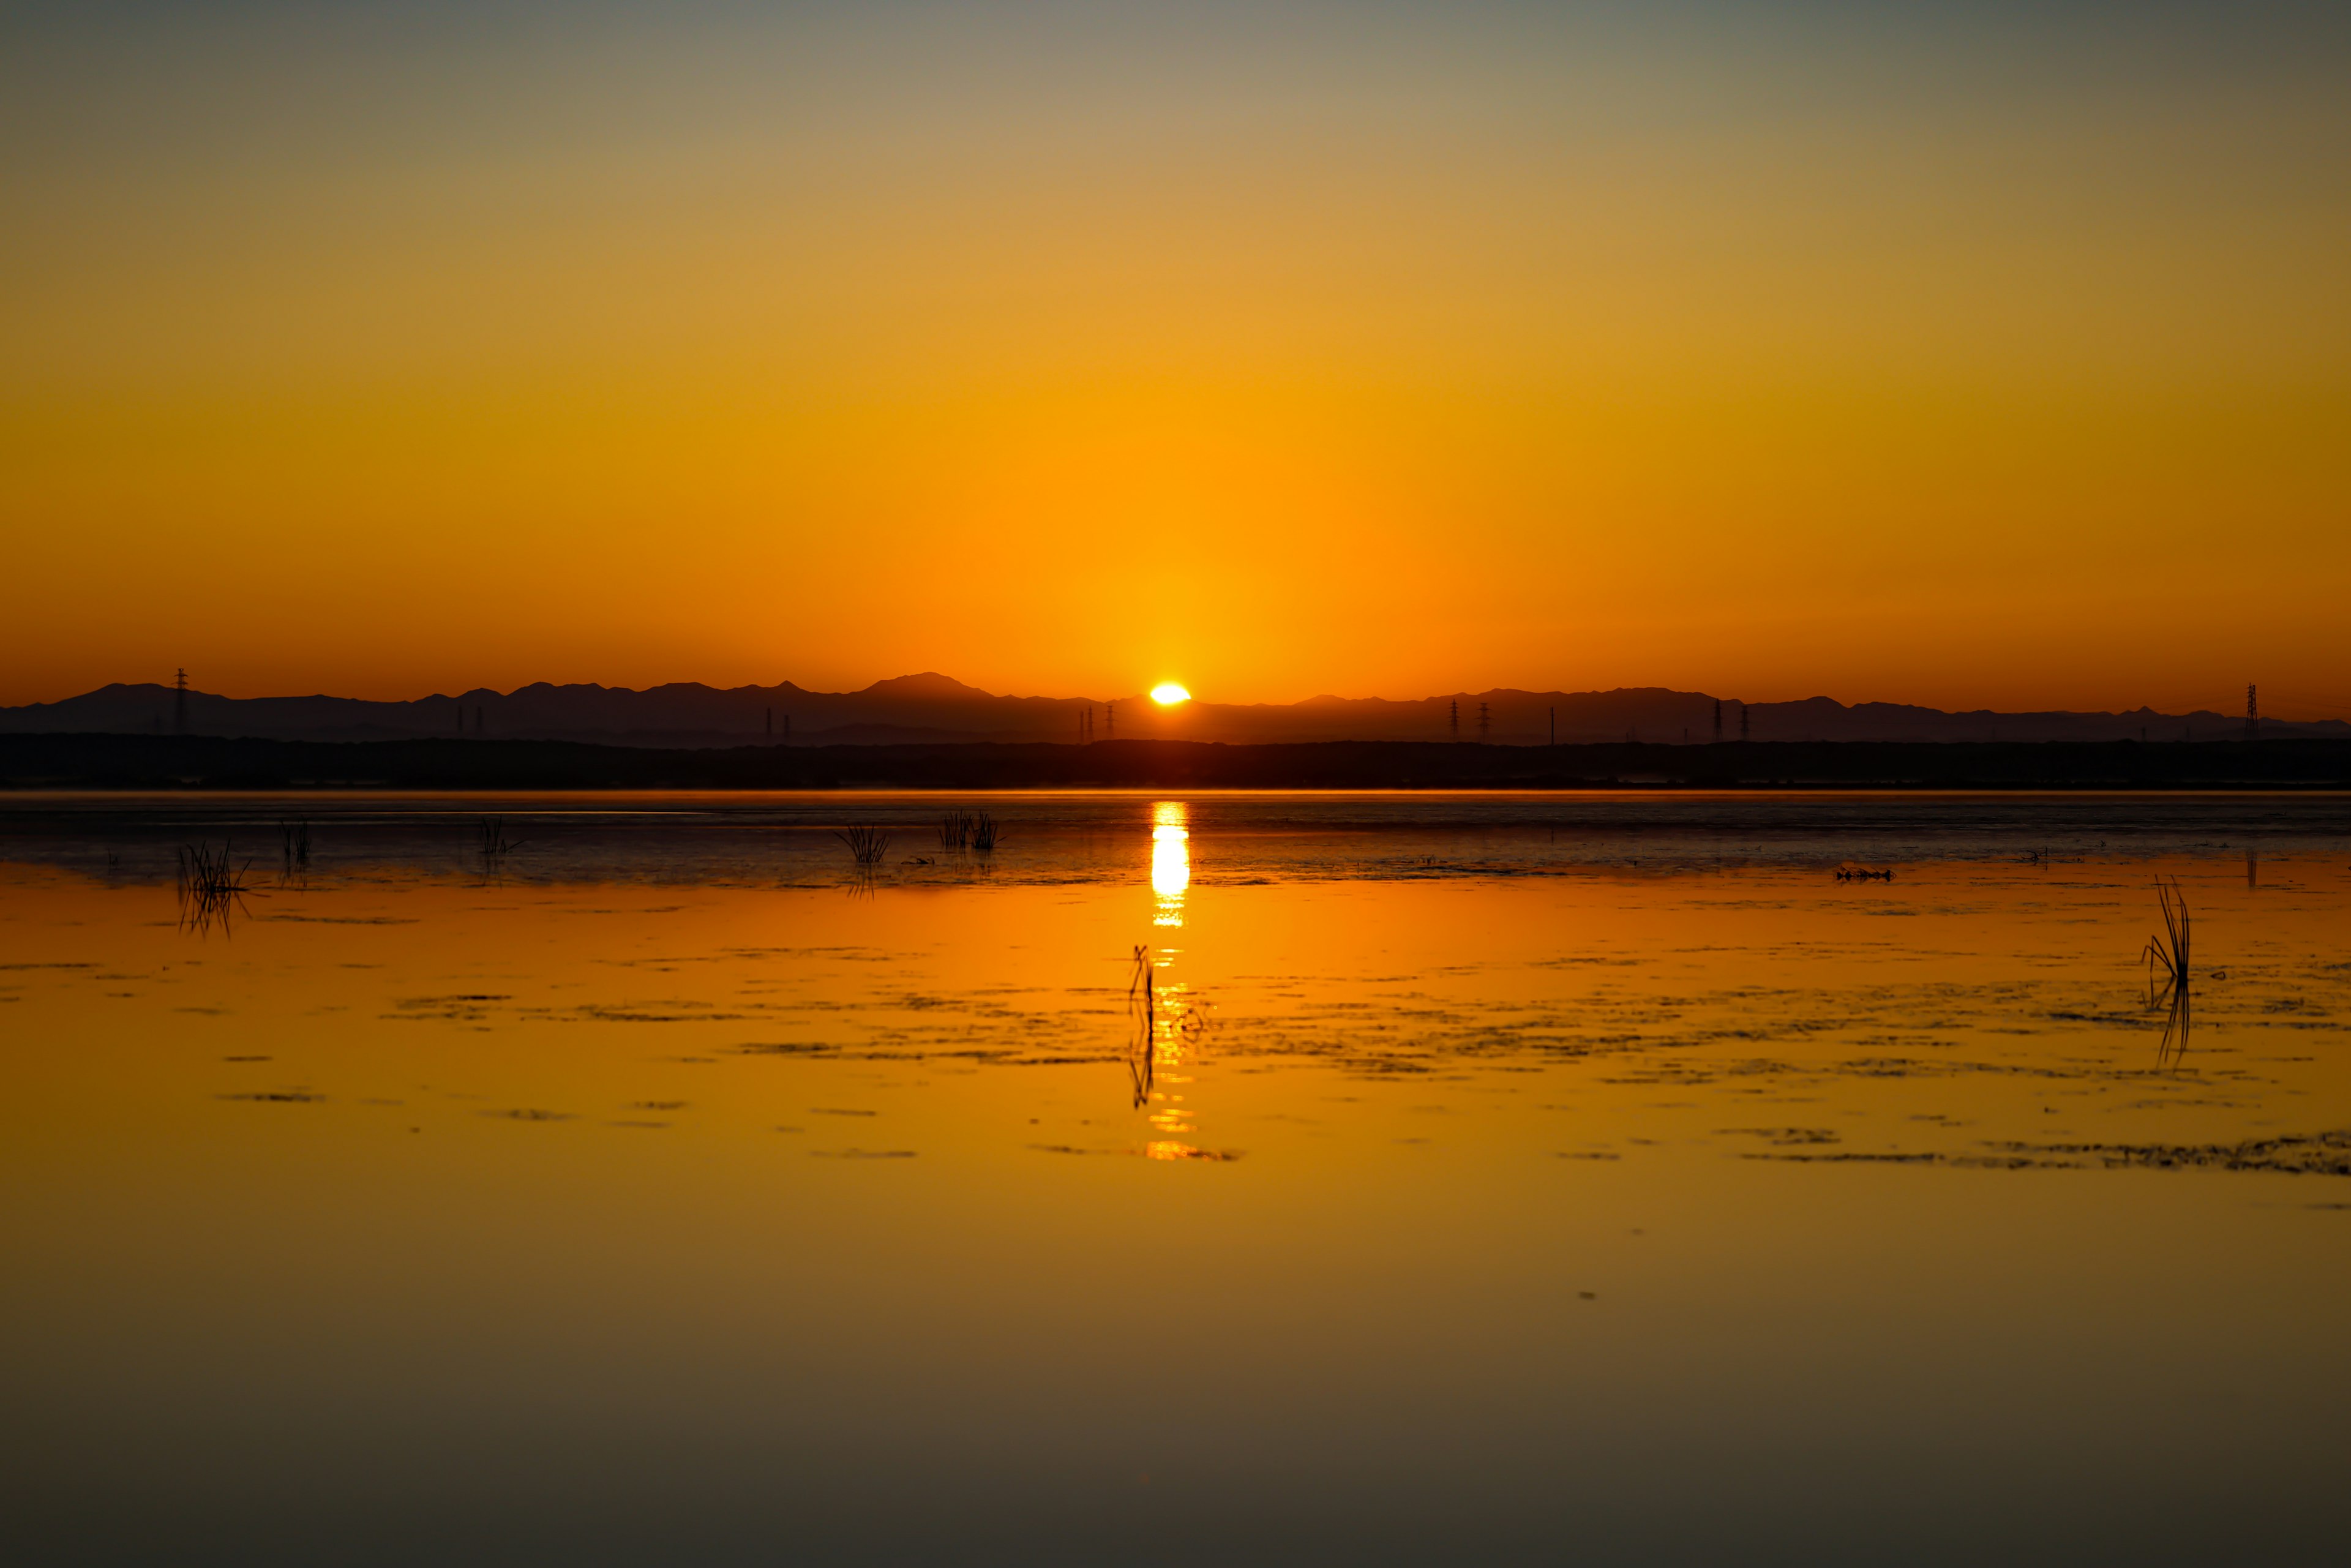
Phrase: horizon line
(966, 691)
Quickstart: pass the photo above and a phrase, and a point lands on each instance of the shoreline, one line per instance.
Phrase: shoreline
(201, 764)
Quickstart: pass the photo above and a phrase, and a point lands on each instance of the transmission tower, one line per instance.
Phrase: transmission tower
(1742, 721)
(1718, 721)
(1453, 718)
(1484, 723)
(2253, 713)
(180, 704)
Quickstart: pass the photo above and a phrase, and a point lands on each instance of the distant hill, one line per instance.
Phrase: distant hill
(932, 708)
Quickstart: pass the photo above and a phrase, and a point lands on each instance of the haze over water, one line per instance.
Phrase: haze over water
(1468, 1178)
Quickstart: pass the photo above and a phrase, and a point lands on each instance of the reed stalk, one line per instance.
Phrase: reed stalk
(2168, 952)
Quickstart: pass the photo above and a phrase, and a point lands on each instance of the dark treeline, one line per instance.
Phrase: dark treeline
(142, 761)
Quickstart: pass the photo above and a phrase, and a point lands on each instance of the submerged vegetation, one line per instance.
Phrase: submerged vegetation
(1957, 1040)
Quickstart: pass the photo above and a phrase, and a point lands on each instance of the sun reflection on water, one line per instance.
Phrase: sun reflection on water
(1171, 860)
(1171, 1019)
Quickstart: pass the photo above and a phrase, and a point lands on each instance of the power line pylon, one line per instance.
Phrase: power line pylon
(180, 704)
(2253, 713)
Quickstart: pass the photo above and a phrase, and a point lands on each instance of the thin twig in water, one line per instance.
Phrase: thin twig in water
(1142, 1003)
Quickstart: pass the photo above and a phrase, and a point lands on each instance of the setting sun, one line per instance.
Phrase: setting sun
(1169, 694)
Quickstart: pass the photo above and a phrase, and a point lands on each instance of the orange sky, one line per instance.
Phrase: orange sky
(1767, 352)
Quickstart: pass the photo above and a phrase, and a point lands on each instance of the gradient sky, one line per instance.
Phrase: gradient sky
(1974, 355)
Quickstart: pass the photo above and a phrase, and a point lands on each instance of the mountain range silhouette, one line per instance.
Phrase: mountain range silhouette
(931, 707)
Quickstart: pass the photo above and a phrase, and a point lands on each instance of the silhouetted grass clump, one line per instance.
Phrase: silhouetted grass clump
(984, 832)
(294, 839)
(491, 834)
(867, 844)
(209, 884)
(955, 830)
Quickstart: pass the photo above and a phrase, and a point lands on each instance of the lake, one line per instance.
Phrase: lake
(1352, 1178)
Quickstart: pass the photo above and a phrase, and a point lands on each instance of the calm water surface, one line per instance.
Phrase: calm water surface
(1332, 1178)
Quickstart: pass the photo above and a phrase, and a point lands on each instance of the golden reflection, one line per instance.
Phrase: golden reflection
(1169, 1021)
(1171, 860)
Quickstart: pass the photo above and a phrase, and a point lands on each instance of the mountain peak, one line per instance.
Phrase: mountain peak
(929, 684)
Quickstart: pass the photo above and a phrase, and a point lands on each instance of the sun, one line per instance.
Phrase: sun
(1168, 694)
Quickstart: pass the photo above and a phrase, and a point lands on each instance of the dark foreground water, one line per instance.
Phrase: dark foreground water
(1273, 1179)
